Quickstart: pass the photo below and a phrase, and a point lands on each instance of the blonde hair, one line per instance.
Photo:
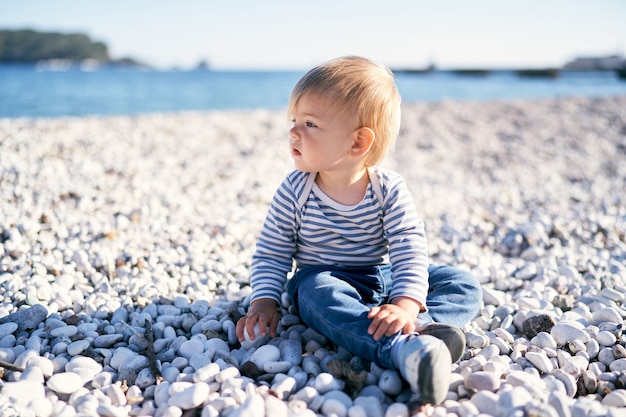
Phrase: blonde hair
(362, 87)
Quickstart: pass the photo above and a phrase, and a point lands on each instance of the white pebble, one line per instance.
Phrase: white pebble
(373, 406)
(605, 315)
(564, 332)
(334, 407)
(77, 347)
(606, 338)
(479, 381)
(65, 382)
(191, 347)
(275, 367)
(68, 331)
(45, 364)
(122, 356)
(264, 354)
(86, 367)
(325, 382)
(397, 410)
(541, 361)
(390, 382)
(616, 398)
(7, 328)
(291, 351)
(23, 392)
(190, 397)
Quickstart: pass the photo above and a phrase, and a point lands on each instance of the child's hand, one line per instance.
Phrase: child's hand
(388, 319)
(263, 311)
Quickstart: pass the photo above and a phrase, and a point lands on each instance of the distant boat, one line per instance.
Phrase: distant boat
(471, 71)
(53, 65)
(538, 72)
(424, 70)
(621, 73)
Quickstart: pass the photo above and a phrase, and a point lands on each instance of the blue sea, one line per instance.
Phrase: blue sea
(27, 92)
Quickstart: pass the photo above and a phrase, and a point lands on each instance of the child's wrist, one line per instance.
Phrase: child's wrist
(265, 302)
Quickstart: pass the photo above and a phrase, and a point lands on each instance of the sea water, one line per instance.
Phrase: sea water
(28, 92)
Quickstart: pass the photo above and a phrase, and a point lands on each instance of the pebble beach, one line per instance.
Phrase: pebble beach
(125, 244)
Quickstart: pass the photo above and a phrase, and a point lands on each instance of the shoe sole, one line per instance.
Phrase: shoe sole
(429, 389)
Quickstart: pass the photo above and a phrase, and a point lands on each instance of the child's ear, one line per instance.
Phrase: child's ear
(363, 140)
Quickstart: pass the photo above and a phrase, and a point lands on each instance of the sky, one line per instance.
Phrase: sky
(282, 34)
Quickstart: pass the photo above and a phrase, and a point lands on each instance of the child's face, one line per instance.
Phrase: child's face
(321, 136)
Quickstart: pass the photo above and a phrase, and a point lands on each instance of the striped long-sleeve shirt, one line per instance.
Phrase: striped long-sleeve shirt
(323, 231)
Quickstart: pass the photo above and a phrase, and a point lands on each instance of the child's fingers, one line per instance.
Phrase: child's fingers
(409, 328)
(263, 323)
(239, 329)
(373, 312)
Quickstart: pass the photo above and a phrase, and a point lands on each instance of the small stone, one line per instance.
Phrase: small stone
(325, 382)
(27, 318)
(493, 297)
(84, 366)
(226, 374)
(372, 406)
(276, 367)
(291, 351)
(397, 410)
(283, 388)
(258, 340)
(77, 347)
(254, 406)
(510, 401)
(264, 354)
(107, 340)
(541, 361)
(7, 328)
(250, 370)
(618, 365)
(568, 381)
(485, 401)
(544, 340)
(606, 338)
(481, 380)
(476, 341)
(564, 332)
(536, 324)
(334, 407)
(23, 392)
(275, 407)
(115, 394)
(619, 351)
(45, 364)
(390, 382)
(122, 356)
(615, 398)
(605, 315)
(65, 383)
(191, 347)
(190, 397)
(144, 378)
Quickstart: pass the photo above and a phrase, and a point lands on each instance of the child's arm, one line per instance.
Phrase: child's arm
(388, 319)
(263, 311)
(271, 263)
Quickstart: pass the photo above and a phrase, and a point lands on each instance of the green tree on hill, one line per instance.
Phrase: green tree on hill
(31, 46)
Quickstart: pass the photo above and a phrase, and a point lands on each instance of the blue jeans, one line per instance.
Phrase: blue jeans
(335, 301)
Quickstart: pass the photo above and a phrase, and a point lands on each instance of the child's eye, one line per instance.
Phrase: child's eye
(310, 124)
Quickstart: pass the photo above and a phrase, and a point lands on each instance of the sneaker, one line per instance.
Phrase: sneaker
(452, 336)
(424, 362)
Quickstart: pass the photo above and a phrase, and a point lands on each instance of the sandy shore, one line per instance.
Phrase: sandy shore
(100, 215)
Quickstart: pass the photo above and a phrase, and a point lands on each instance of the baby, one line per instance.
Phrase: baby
(362, 276)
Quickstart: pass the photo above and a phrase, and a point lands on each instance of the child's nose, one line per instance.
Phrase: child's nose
(293, 133)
